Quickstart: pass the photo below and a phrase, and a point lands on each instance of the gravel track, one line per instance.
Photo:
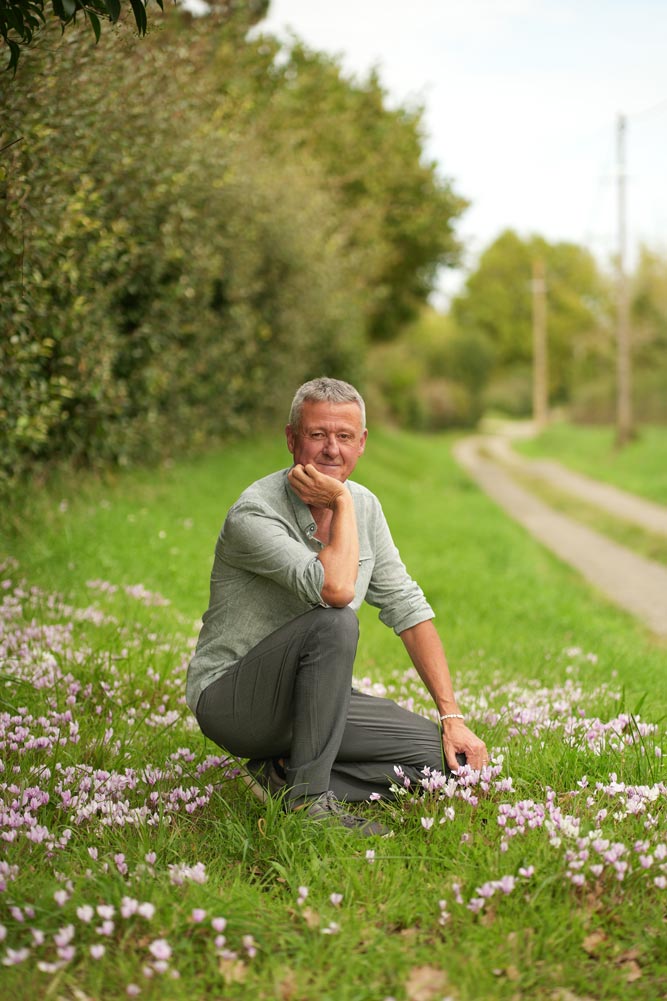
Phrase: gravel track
(634, 583)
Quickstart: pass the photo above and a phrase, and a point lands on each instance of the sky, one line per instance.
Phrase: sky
(521, 104)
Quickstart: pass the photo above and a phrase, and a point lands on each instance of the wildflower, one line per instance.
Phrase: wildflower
(302, 894)
(132, 990)
(15, 956)
(97, 951)
(336, 899)
(331, 929)
(146, 910)
(61, 897)
(219, 924)
(198, 915)
(427, 823)
(370, 855)
(249, 945)
(128, 907)
(64, 936)
(160, 949)
(85, 913)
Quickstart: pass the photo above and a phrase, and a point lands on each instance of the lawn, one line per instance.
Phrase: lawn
(640, 467)
(135, 862)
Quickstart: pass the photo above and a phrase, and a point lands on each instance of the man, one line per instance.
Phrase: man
(271, 676)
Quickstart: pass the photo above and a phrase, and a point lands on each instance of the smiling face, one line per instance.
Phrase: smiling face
(330, 437)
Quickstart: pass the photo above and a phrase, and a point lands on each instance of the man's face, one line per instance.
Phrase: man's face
(330, 437)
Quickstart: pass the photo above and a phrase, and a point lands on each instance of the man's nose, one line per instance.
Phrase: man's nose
(331, 445)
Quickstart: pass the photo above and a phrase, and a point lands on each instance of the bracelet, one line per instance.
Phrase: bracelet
(453, 716)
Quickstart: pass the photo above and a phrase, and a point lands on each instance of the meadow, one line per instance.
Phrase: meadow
(136, 863)
(640, 467)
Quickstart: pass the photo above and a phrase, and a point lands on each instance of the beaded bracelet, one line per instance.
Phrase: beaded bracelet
(453, 716)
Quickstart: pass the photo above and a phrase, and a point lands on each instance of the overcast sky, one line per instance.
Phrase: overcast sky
(522, 99)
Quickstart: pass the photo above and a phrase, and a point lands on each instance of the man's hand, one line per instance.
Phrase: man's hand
(314, 488)
(458, 739)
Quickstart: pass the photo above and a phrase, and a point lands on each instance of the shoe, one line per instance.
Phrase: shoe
(263, 778)
(330, 810)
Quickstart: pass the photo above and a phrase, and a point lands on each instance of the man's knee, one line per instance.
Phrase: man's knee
(339, 625)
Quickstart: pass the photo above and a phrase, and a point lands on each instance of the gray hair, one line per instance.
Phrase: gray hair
(325, 390)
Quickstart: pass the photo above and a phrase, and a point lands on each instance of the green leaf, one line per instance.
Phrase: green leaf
(139, 16)
(95, 24)
(113, 8)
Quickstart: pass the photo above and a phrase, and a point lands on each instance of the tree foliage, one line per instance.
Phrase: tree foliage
(176, 252)
(496, 305)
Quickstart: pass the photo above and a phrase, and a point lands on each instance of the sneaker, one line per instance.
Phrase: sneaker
(329, 809)
(263, 778)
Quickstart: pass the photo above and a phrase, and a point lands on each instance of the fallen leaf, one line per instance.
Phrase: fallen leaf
(593, 942)
(632, 970)
(287, 986)
(425, 983)
(233, 970)
(626, 957)
(311, 917)
(562, 994)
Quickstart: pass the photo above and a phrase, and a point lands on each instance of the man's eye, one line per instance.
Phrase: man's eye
(316, 435)
(345, 437)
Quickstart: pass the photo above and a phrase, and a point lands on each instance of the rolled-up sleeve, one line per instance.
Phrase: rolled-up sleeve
(400, 599)
(258, 542)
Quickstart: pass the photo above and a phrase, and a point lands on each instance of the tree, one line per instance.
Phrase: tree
(20, 20)
(496, 304)
(397, 214)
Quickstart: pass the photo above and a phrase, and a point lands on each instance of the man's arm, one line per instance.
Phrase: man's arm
(428, 656)
(340, 556)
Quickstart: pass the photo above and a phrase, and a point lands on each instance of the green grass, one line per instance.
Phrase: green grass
(640, 467)
(544, 667)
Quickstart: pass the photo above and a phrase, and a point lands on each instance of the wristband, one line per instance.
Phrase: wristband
(453, 716)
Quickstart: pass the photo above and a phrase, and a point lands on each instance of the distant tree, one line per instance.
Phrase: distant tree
(496, 303)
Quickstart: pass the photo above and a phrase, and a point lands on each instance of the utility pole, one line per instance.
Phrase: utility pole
(540, 361)
(624, 424)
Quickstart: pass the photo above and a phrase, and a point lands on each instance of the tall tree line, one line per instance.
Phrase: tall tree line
(191, 226)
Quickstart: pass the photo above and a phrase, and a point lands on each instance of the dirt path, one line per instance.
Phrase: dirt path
(629, 507)
(634, 583)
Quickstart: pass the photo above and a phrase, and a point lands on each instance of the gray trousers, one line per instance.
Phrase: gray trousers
(291, 697)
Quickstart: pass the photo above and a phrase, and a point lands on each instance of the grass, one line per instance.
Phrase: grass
(640, 467)
(528, 882)
(641, 541)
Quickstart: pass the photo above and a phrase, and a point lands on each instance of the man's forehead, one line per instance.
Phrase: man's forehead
(323, 412)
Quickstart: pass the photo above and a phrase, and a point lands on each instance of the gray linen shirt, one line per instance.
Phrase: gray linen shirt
(266, 572)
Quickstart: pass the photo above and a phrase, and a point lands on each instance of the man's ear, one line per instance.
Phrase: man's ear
(362, 441)
(290, 436)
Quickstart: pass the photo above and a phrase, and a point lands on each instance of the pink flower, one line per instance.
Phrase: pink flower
(132, 990)
(160, 949)
(128, 907)
(336, 899)
(427, 823)
(198, 914)
(85, 913)
(97, 951)
(219, 924)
